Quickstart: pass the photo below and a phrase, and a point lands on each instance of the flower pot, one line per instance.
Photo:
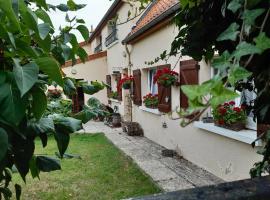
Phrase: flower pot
(151, 107)
(126, 86)
(237, 126)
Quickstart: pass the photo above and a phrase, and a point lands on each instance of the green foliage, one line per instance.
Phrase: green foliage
(31, 56)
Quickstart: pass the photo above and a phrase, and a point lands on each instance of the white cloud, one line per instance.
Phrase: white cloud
(91, 14)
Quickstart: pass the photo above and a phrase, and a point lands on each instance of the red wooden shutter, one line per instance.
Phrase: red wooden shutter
(137, 93)
(109, 83)
(164, 95)
(189, 75)
(117, 79)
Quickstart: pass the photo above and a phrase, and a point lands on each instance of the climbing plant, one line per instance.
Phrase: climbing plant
(233, 36)
(31, 54)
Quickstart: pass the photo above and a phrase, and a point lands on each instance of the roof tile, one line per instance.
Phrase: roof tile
(154, 11)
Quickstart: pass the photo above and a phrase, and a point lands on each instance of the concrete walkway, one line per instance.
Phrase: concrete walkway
(170, 174)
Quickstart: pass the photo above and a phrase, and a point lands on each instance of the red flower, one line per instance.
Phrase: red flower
(232, 103)
(222, 111)
(237, 109)
(226, 104)
(243, 107)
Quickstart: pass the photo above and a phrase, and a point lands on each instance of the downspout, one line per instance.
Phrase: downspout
(129, 73)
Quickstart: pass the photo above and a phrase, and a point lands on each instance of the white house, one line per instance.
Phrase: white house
(225, 153)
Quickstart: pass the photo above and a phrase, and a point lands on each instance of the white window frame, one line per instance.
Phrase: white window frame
(250, 124)
(152, 88)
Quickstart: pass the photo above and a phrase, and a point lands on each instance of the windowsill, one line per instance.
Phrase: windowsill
(150, 110)
(112, 44)
(114, 100)
(245, 136)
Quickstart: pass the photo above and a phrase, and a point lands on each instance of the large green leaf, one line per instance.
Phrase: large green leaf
(44, 30)
(262, 41)
(222, 62)
(238, 73)
(230, 33)
(69, 87)
(86, 115)
(234, 5)
(67, 124)
(25, 48)
(6, 6)
(82, 54)
(41, 14)
(33, 167)
(29, 18)
(12, 106)
(84, 31)
(62, 140)
(42, 3)
(50, 67)
(250, 16)
(62, 7)
(3, 143)
(220, 94)
(244, 49)
(25, 76)
(39, 104)
(47, 164)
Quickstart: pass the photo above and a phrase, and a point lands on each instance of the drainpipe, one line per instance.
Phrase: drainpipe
(129, 73)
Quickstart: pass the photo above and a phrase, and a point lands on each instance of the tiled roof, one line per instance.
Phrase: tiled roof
(155, 10)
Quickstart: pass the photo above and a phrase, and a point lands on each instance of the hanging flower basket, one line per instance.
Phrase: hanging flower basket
(150, 101)
(125, 82)
(166, 77)
(230, 117)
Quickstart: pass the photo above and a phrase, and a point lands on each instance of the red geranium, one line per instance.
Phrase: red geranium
(151, 100)
(237, 109)
(125, 82)
(165, 77)
(232, 103)
(228, 113)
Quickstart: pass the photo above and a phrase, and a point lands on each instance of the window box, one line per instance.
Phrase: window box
(245, 136)
(150, 110)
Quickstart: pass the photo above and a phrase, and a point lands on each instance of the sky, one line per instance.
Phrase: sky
(92, 13)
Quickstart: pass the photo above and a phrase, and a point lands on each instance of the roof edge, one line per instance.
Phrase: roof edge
(110, 12)
(153, 23)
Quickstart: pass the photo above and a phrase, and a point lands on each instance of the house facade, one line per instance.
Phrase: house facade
(115, 50)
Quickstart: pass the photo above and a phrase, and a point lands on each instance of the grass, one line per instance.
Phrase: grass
(102, 173)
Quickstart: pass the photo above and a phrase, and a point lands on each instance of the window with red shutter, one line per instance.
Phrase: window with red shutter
(189, 75)
(117, 79)
(164, 95)
(137, 93)
(109, 83)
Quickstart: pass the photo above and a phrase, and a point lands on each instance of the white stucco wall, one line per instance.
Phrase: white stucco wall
(224, 157)
(91, 71)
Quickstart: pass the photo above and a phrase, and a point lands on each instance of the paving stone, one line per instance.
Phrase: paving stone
(169, 173)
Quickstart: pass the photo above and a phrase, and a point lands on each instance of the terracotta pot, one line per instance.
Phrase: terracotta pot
(238, 126)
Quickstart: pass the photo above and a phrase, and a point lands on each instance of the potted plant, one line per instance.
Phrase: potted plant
(230, 116)
(113, 95)
(166, 77)
(150, 101)
(125, 82)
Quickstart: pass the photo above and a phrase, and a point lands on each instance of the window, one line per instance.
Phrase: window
(99, 44)
(246, 97)
(112, 34)
(152, 87)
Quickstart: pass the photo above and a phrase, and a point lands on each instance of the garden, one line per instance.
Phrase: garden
(93, 168)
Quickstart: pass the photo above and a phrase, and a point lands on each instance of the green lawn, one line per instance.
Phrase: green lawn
(103, 173)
